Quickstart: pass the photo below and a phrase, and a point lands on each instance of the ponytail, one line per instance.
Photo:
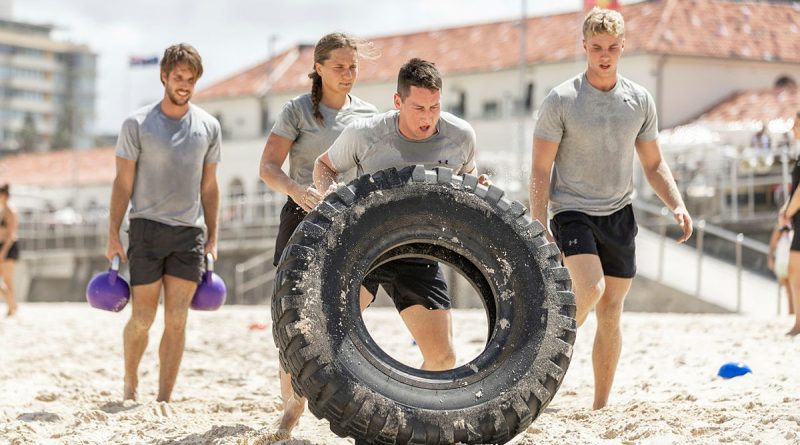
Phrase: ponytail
(316, 95)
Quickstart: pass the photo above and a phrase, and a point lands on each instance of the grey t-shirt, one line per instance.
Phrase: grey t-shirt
(596, 133)
(170, 155)
(296, 122)
(376, 143)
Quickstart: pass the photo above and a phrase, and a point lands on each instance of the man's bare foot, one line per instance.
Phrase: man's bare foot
(795, 331)
(129, 393)
(12, 310)
(599, 405)
(292, 412)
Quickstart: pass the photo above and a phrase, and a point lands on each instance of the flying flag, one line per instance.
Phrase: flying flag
(603, 4)
(142, 61)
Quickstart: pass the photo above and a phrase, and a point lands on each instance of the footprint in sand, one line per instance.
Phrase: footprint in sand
(115, 407)
(268, 438)
(159, 410)
(46, 396)
(279, 437)
(91, 416)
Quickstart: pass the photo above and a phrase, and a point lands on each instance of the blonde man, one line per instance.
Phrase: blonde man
(582, 172)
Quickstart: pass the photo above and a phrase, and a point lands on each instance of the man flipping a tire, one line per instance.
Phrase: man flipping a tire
(583, 167)
(417, 132)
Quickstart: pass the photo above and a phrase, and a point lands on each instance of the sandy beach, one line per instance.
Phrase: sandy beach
(61, 381)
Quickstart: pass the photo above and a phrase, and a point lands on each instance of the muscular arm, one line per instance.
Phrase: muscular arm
(542, 159)
(275, 152)
(120, 197)
(660, 178)
(324, 172)
(209, 196)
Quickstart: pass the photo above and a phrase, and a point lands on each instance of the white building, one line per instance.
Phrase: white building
(690, 54)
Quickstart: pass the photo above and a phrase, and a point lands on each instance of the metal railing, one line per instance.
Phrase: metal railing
(241, 218)
(738, 240)
(731, 184)
(252, 278)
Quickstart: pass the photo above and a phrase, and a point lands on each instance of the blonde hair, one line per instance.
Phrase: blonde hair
(603, 21)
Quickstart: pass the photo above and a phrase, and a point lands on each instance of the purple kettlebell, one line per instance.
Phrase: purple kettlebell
(108, 291)
(211, 291)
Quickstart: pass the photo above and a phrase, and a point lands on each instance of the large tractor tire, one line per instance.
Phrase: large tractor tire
(362, 391)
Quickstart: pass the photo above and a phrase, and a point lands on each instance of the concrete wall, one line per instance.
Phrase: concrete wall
(240, 117)
(692, 85)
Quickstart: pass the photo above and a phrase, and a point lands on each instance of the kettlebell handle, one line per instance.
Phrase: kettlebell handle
(209, 262)
(112, 275)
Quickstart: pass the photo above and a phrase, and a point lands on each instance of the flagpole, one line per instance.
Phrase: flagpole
(579, 41)
(128, 86)
(523, 31)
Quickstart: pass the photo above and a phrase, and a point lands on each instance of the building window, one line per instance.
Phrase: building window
(460, 108)
(491, 109)
(529, 89)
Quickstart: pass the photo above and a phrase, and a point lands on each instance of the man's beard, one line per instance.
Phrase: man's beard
(177, 101)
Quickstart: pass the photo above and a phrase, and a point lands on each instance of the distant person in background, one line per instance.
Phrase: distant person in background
(9, 252)
(761, 144)
(761, 141)
(305, 128)
(780, 244)
(790, 215)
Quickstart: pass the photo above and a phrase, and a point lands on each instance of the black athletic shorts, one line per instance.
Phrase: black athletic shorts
(411, 281)
(796, 237)
(291, 217)
(407, 281)
(156, 249)
(610, 237)
(13, 251)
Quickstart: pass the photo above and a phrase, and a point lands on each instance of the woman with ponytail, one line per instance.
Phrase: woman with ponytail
(305, 128)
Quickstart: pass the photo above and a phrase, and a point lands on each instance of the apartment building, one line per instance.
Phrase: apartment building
(47, 90)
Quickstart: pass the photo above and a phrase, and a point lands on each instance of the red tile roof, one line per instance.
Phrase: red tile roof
(702, 28)
(59, 168)
(756, 105)
(252, 80)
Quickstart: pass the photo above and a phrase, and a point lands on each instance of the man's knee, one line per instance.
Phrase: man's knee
(175, 319)
(142, 320)
(609, 310)
(591, 292)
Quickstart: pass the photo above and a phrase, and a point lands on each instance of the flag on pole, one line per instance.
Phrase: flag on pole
(603, 4)
(142, 61)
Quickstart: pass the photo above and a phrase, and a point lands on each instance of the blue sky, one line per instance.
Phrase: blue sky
(232, 35)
